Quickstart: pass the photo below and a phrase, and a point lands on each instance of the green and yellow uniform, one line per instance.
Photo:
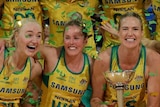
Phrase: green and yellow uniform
(114, 9)
(64, 88)
(135, 89)
(16, 10)
(156, 6)
(13, 87)
(59, 12)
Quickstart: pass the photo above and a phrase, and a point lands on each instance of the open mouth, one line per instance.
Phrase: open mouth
(31, 47)
(72, 47)
(130, 39)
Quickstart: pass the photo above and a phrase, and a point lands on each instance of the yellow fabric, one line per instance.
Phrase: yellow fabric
(63, 87)
(156, 6)
(114, 9)
(12, 89)
(134, 91)
(1, 2)
(17, 10)
(58, 12)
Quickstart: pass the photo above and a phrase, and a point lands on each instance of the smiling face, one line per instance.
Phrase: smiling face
(28, 38)
(130, 31)
(74, 40)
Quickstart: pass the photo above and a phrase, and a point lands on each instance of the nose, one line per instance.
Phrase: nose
(71, 41)
(130, 32)
(35, 39)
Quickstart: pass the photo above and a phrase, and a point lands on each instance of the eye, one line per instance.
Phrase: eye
(76, 38)
(136, 29)
(67, 37)
(39, 36)
(28, 35)
(124, 29)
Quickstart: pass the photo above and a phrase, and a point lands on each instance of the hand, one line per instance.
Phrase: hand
(96, 102)
(110, 105)
(107, 26)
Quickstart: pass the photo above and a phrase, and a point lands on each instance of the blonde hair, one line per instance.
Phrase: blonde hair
(130, 14)
(16, 28)
(12, 43)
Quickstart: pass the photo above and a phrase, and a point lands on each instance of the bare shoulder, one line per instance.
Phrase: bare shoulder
(152, 56)
(152, 61)
(104, 56)
(103, 60)
(48, 51)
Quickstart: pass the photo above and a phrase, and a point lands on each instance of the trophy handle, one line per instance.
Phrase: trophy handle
(120, 98)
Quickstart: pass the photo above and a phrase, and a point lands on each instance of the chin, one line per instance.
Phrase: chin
(30, 54)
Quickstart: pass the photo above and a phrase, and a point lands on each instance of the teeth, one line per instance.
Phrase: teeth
(72, 47)
(130, 40)
(31, 47)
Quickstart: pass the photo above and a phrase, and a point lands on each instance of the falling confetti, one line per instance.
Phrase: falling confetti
(153, 73)
(126, 94)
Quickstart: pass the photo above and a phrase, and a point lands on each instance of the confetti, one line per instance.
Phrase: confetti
(126, 94)
(38, 55)
(45, 9)
(106, 6)
(105, 102)
(57, 6)
(98, 38)
(103, 17)
(154, 94)
(26, 36)
(153, 73)
(152, 22)
(104, 87)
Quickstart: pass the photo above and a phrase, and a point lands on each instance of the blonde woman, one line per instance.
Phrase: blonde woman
(18, 67)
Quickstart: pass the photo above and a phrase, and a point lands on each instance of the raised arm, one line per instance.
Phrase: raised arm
(98, 80)
(108, 27)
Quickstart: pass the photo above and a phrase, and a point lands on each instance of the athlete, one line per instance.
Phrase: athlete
(60, 11)
(129, 55)
(67, 69)
(113, 10)
(17, 66)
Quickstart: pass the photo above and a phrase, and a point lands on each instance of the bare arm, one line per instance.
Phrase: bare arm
(2, 45)
(153, 74)
(98, 80)
(33, 85)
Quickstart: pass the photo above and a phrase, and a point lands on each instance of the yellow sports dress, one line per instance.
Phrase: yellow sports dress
(13, 87)
(114, 9)
(59, 12)
(156, 6)
(134, 91)
(16, 10)
(64, 88)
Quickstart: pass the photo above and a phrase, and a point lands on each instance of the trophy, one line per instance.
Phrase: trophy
(118, 80)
